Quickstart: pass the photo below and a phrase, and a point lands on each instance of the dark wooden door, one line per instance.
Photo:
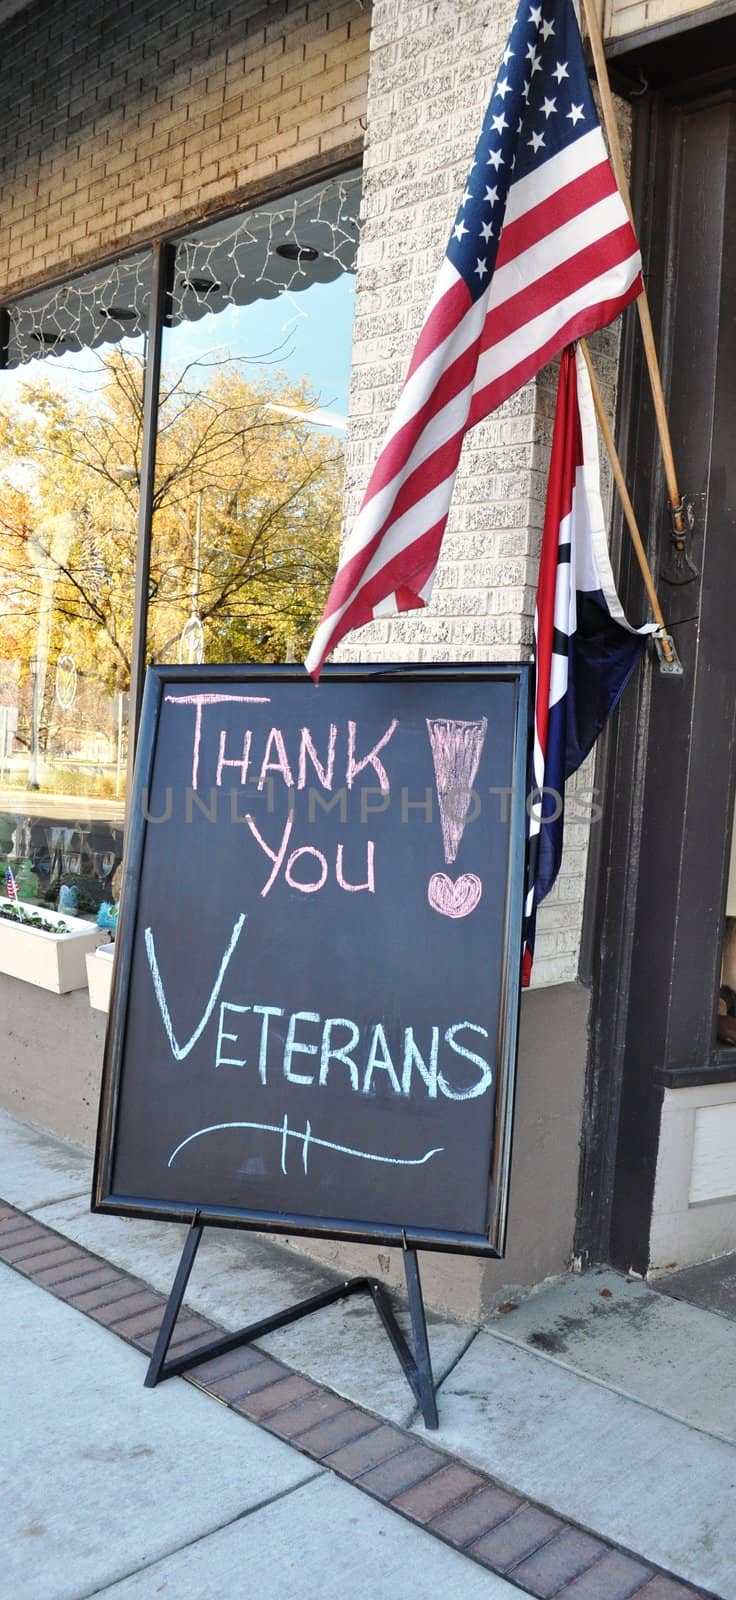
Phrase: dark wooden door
(656, 911)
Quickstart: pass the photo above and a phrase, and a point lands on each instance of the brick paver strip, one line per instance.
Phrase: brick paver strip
(90, 1299)
(614, 1577)
(534, 1549)
(224, 1366)
(185, 1341)
(19, 1228)
(369, 1451)
(134, 1328)
(103, 1300)
(79, 1275)
(276, 1396)
(296, 1419)
(515, 1539)
(182, 1347)
(662, 1588)
(138, 1300)
(478, 1514)
(324, 1438)
(189, 1326)
(434, 1495)
(17, 1251)
(390, 1480)
(32, 1258)
(56, 1278)
(558, 1562)
(85, 1283)
(257, 1376)
(11, 1218)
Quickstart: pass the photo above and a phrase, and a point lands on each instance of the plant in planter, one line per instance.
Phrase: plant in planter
(30, 917)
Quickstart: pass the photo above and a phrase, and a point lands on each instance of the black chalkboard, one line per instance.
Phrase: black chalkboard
(315, 998)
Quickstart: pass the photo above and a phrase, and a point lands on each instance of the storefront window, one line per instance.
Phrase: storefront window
(253, 402)
(70, 442)
(246, 505)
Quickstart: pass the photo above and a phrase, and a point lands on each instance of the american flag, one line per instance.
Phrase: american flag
(541, 252)
(585, 650)
(11, 887)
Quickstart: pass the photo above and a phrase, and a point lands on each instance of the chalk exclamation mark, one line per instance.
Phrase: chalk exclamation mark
(456, 751)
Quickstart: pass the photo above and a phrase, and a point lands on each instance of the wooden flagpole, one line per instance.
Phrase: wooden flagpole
(628, 509)
(677, 510)
(677, 507)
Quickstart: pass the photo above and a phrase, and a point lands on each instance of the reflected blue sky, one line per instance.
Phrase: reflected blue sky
(307, 335)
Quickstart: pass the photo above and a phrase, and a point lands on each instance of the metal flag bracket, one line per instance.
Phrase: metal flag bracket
(670, 664)
(416, 1364)
(676, 565)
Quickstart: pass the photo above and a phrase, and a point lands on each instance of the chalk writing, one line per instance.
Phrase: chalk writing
(275, 757)
(179, 1051)
(457, 747)
(306, 1139)
(456, 899)
(200, 700)
(313, 1025)
(395, 1061)
(456, 751)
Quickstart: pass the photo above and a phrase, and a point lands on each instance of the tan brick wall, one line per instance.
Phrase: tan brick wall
(120, 118)
(628, 16)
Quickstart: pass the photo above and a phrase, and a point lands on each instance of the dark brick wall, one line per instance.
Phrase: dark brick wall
(119, 118)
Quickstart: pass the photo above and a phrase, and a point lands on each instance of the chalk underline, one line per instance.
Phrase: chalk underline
(307, 1138)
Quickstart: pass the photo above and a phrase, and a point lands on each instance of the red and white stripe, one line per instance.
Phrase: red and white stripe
(568, 262)
(574, 562)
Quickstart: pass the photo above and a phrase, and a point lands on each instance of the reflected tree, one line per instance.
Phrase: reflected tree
(246, 516)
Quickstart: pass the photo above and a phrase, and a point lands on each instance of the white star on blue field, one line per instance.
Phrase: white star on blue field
(541, 103)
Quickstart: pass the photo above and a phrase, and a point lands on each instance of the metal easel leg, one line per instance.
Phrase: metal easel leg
(425, 1377)
(163, 1339)
(159, 1368)
(416, 1364)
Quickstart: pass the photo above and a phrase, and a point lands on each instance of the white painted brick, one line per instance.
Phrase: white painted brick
(432, 69)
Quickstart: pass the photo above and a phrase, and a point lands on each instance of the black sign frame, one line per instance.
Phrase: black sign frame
(104, 1199)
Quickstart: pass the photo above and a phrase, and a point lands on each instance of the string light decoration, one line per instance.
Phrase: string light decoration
(281, 248)
(100, 308)
(277, 249)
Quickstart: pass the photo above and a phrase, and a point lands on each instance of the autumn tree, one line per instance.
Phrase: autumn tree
(246, 515)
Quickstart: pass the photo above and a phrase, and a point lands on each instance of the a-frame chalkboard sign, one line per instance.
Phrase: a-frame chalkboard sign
(315, 998)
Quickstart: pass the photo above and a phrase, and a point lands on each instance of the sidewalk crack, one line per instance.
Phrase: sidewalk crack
(189, 1544)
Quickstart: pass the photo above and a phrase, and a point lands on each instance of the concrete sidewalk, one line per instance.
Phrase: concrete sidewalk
(113, 1489)
(608, 1403)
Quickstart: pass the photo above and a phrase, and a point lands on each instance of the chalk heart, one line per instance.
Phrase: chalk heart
(456, 899)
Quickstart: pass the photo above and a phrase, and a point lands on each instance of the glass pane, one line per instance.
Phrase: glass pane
(252, 418)
(70, 438)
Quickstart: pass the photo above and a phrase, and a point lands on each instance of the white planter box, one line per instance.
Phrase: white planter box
(99, 976)
(50, 960)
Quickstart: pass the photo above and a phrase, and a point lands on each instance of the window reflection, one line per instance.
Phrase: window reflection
(70, 437)
(252, 417)
(247, 505)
